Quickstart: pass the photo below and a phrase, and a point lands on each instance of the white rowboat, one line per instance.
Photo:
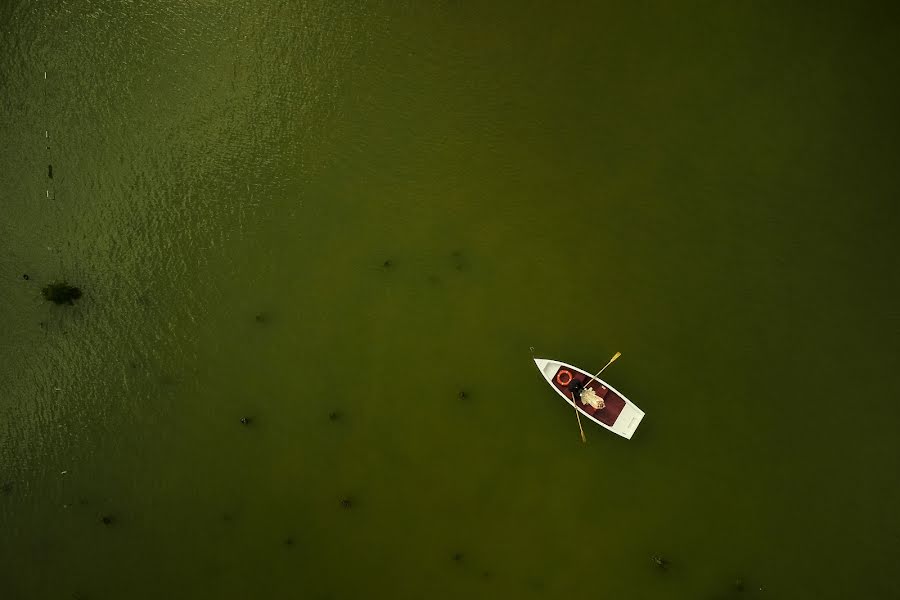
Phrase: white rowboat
(619, 414)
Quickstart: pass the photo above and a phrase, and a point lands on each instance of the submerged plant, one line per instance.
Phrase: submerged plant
(61, 292)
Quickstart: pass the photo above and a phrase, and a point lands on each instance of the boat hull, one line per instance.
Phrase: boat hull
(619, 415)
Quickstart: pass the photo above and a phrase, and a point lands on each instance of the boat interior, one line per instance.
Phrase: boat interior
(612, 401)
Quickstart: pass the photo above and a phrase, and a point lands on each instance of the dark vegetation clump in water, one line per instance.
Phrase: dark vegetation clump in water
(108, 519)
(346, 502)
(660, 562)
(462, 395)
(246, 420)
(459, 261)
(61, 292)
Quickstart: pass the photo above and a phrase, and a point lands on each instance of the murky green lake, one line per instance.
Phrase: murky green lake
(333, 217)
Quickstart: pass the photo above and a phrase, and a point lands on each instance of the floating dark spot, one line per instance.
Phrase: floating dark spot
(387, 264)
(261, 317)
(61, 292)
(288, 541)
(459, 262)
(335, 415)
(25, 276)
(462, 395)
(486, 574)
(107, 519)
(457, 557)
(50, 171)
(246, 420)
(227, 517)
(660, 562)
(346, 502)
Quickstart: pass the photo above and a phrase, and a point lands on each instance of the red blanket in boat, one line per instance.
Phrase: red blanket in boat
(613, 403)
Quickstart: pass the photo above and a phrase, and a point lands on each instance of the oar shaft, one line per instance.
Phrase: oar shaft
(611, 361)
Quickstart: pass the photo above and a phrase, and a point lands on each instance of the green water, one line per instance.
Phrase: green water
(711, 189)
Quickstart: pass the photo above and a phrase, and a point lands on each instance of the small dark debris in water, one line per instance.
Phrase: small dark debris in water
(6, 488)
(261, 317)
(25, 276)
(660, 562)
(288, 541)
(227, 517)
(486, 574)
(459, 263)
(334, 415)
(107, 519)
(346, 502)
(50, 171)
(462, 395)
(387, 264)
(457, 557)
(61, 292)
(246, 420)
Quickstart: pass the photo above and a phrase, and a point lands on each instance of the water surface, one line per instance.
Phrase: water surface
(332, 217)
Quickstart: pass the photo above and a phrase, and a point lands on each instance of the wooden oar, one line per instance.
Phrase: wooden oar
(577, 416)
(611, 361)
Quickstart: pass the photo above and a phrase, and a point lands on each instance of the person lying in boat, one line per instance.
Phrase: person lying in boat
(587, 396)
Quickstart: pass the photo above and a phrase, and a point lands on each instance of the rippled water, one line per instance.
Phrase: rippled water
(332, 217)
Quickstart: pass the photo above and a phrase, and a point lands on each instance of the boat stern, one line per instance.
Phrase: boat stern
(628, 421)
